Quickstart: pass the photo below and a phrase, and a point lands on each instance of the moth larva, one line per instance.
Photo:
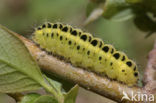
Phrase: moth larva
(84, 50)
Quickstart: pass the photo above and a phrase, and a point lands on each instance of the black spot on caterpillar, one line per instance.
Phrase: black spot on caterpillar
(65, 29)
(55, 26)
(94, 42)
(49, 25)
(116, 55)
(74, 32)
(105, 49)
(129, 63)
(83, 37)
(84, 50)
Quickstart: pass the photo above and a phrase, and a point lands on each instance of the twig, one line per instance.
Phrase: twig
(150, 71)
(101, 85)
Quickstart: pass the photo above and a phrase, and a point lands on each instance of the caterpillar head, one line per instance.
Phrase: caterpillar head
(39, 30)
(37, 34)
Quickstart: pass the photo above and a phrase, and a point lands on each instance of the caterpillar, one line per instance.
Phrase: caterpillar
(84, 50)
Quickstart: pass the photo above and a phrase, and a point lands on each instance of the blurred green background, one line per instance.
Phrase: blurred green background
(22, 16)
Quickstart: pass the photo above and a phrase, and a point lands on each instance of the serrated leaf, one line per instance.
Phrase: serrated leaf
(30, 98)
(46, 99)
(70, 97)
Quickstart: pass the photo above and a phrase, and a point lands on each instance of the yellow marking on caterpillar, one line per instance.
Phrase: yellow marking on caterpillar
(84, 50)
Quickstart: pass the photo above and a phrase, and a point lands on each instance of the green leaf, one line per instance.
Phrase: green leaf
(46, 99)
(65, 84)
(18, 70)
(30, 98)
(145, 23)
(70, 97)
(123, 15)
(56, 85)
(117, 10)
(149, 5)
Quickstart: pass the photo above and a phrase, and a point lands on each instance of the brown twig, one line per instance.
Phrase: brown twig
(98, 84)
(150, 71)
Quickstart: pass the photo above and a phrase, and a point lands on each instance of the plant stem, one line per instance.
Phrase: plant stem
(58, 96)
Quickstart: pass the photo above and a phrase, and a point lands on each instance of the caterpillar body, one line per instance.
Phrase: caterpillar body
(84, 50)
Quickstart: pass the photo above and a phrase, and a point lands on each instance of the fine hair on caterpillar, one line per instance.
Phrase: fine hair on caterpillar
(84, 50)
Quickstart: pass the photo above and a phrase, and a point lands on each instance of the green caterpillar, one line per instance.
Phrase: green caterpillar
(84, 50)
